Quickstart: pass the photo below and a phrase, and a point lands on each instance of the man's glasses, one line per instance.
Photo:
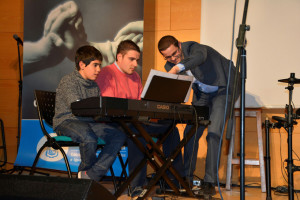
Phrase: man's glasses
(176, 54)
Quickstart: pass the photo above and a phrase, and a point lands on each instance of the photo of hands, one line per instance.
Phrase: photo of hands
(55, 29)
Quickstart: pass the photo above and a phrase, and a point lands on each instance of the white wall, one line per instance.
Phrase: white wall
(273, 45)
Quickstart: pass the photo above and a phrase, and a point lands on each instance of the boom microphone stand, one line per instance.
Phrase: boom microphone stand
(20, 169)
(240, 64)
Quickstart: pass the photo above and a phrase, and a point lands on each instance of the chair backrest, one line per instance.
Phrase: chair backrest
(45, 102)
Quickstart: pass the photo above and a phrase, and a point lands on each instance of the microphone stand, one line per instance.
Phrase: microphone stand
(20, 168)
(240, 64)
(20, 97)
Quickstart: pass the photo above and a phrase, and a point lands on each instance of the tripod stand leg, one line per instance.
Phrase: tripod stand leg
(3, 144)
(267, 159)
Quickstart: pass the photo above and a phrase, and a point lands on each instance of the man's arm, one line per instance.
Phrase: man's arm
(67, 91)
(195, 55)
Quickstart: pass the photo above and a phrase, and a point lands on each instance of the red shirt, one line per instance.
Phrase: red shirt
(114, 83)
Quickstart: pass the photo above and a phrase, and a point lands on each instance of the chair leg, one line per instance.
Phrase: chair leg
(114, 178)
(66, 161)
(36, 159)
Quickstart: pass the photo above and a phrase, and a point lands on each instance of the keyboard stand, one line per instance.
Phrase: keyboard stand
(153, 151)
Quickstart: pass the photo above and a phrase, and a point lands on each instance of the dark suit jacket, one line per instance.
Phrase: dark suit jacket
(206, 64)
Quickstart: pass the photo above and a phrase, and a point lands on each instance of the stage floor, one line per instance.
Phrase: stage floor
(234, 194)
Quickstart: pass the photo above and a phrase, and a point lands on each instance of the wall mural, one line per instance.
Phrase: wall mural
(53, 30)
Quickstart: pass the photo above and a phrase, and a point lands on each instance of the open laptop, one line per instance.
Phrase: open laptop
(165, 87)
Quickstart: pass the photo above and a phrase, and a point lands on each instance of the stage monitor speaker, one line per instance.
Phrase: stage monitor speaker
(51, 188)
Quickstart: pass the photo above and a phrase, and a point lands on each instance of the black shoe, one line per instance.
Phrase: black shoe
(164, 187)
(136, 192)
(207, 189)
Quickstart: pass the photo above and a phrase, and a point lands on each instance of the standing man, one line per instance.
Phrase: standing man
(210, 70)
(120, 80)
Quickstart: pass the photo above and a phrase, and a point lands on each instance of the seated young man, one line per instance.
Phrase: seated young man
(122, 81)
(78, 85)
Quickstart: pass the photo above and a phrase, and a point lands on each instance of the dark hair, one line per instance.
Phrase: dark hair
(87, 54)
(125, 46)
(166, 41)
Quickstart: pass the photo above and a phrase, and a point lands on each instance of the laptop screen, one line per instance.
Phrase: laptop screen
(165, 87)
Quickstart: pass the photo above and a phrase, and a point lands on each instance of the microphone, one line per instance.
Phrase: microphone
(16, 37)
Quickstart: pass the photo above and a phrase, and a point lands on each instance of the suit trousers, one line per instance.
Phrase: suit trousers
(216, 102)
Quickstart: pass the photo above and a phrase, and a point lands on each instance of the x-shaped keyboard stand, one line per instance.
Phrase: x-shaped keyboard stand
(153, 152)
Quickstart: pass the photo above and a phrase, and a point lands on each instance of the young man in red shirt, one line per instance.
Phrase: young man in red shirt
(120, 80)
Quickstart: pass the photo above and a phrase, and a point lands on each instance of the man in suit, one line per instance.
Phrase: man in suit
(210, 71)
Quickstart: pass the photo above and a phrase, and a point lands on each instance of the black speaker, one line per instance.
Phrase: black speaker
(49, 188)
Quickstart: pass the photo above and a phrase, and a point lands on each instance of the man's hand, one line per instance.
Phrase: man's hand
(174, 70)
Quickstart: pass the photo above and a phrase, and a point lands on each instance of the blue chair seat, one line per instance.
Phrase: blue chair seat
(68, 139)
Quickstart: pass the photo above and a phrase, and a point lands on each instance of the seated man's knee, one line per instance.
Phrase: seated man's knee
(89, 137)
